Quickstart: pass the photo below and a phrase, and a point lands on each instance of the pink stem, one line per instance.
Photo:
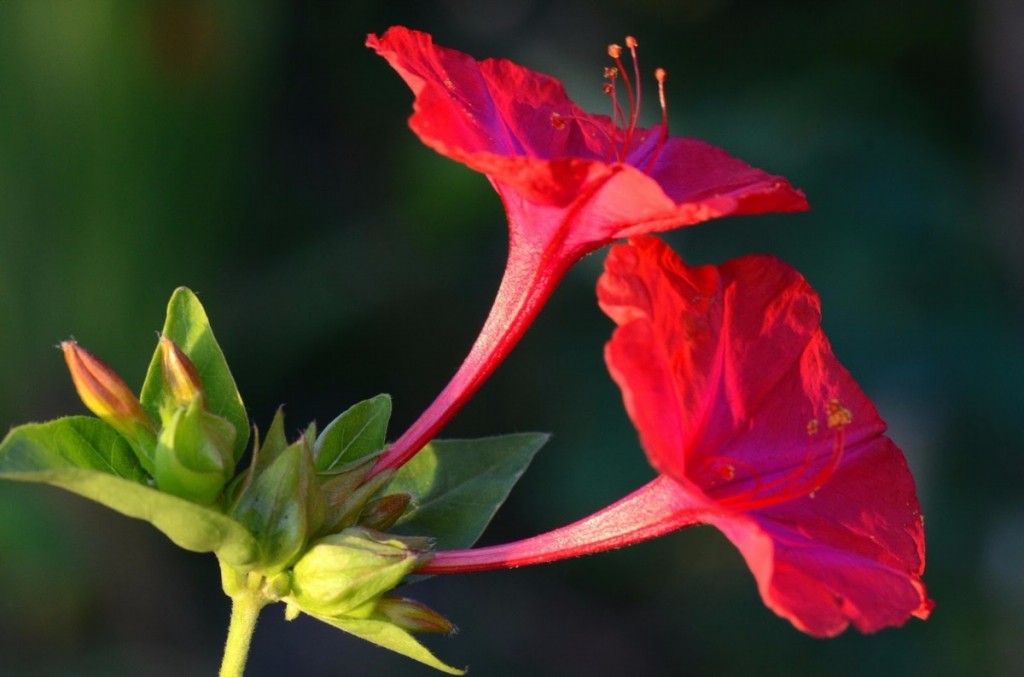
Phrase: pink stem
(524, 289)
(657, 508)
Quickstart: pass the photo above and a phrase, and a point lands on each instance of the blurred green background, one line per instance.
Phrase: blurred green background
(258, 153)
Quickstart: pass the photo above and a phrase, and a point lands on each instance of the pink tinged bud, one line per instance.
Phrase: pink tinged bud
(181, 378)
(414, 616)
(381, 513)
(105, 394)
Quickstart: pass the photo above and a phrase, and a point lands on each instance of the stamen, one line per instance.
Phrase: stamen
(800, 482)
(838, 415)
(626, 119)
(615, 52)
(618, 118)
(635, 113)
(659, 75)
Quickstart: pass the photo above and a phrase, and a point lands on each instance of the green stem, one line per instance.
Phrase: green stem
(245, 608)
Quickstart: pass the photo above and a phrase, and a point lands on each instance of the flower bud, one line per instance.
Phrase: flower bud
(381, 513)
(181, 379)
(194, 453)
(106, 395)
(347, 573)
(414, 616)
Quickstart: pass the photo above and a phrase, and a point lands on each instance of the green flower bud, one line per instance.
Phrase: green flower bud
(347, 573)
(194, 453)
(413, 616)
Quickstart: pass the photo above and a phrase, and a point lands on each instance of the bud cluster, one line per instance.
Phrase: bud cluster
(315, 512)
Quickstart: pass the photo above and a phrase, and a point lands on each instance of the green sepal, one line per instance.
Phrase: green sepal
(283, 506)
(358, 432)
(194, 457)
(263, 454)
(348, 572)
(338, 486)
(86, 456)
(188, 326)
(458, 485)
(273, 444)
(382, 632)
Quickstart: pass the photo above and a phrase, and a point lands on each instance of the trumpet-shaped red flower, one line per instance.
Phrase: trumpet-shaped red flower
(756, 428)
(571, 182)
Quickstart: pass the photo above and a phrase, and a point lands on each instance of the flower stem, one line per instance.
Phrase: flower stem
(657, 508)
(524, 288)
(245, 608)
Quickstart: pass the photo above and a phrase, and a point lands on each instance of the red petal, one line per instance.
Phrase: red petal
(726, 368)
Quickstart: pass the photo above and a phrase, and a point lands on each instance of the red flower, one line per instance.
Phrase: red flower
(757, 429)
(571, 182)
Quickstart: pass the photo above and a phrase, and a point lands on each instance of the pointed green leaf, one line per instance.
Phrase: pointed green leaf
(388, 635)
(358, 432)
(86, 456)
(458, 485)
(188, 326)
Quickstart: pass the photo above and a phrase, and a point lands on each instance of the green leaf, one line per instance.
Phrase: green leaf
(283, 506)
(458, 485)
(388, 635)
(86, 456)
(74, 442)
(359, 431)
(188, 326)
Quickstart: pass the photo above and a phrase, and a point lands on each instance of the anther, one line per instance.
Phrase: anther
(659, 75)
(631, 42)
(614, 51)
(838, 415)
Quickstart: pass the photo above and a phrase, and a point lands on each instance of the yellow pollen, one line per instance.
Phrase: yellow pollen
(611, 72)
(812, 427)
(615, 51)
(557, 121)
(838, 415)
(630, 41)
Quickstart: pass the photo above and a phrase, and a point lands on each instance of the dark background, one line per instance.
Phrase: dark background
(258, 153)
